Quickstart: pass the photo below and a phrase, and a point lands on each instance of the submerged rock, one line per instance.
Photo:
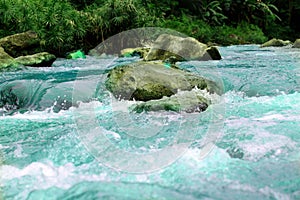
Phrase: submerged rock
(185, 101)
(296, 44)
(9, 100)
(21, 44)
(43, 59)
(145, 81)
(235, 152)
(188, 48)
(276, 43)
(6, 61)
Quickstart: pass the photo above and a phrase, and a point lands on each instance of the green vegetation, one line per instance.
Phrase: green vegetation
(242, 33)
(66, 25)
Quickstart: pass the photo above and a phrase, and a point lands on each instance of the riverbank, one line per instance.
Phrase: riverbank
(167, 45)
(65, 25)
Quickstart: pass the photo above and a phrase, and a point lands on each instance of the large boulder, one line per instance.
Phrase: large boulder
(42, 59)
(186, 101)
(6, 61)
(21, 44)
(296, 44)
(188, 48)
(148, 81)
(276, 43)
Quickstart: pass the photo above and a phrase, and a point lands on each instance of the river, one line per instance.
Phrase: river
(55, 116)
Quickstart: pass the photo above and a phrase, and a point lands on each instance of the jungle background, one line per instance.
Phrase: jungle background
(65, 25)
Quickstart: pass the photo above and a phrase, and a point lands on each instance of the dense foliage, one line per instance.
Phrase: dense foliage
(65, 25)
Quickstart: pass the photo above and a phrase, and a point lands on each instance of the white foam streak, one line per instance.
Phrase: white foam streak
(47, 175)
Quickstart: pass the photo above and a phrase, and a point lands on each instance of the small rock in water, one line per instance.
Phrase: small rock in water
(297, 44)
(61, 104)
(235, 153)
(8, 100)
(43, 59)
(185, 101)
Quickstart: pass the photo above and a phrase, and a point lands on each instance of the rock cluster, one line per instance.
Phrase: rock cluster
(178, 48)
(23, 49)
(276, 43)
(157, 83)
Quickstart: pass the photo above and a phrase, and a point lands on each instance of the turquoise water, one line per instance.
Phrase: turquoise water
(253, 154)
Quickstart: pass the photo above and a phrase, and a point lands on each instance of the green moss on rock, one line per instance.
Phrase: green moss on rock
(21, 44)
(296, 44)
(152, 91)
(185, 101)
(139, 51)
(43, 59)
(6, 61)
(147, 81)
(181, 49)
(276, 43)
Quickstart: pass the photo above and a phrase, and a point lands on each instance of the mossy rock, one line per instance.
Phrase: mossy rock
(185, 101)
(181, 48)
(276, 43)
(296, 44)
(21, 44)
(148, 80)
(42, 59)
(7, 62)
(131, 52)
(152, 91)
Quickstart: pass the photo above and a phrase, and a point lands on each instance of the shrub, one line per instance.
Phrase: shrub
(57, 23)
(243, 33)
(190, 26)
(282, 32)
(66, 25)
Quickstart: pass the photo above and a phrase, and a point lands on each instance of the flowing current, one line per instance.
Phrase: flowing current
(253, 153)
